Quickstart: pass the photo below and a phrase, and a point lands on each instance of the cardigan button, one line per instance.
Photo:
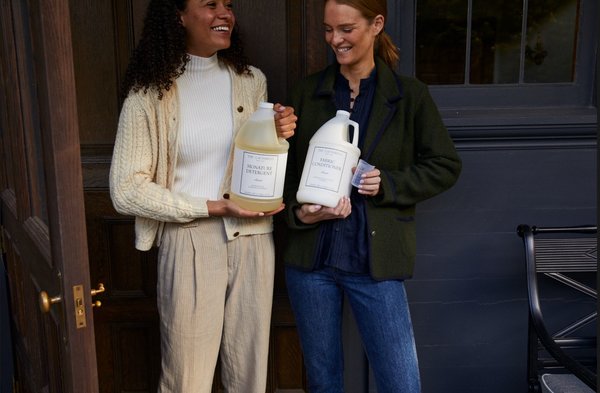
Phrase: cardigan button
(236, 234)
(373, 233)
(240, 109)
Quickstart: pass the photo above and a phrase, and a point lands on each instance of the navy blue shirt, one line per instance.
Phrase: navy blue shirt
(344, 243)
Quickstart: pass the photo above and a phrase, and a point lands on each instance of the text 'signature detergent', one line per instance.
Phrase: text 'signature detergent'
(259, 161)
(328, 167)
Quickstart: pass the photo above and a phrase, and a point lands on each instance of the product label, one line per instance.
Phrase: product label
(258, 175)
(326, 168)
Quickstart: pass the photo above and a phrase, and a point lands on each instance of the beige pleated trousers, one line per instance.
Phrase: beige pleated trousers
(214, 297)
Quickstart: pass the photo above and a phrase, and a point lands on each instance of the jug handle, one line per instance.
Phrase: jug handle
(355, 133)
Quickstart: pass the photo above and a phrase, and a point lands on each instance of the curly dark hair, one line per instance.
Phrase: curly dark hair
(161, 56)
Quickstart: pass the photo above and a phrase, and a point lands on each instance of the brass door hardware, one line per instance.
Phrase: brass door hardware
(46, 302)
(100, 289)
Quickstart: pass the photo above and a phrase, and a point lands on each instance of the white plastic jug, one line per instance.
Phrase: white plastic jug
(259, 162)
(327, 170)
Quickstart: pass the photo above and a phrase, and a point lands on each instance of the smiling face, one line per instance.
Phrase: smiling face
(208, 25)
(351, 35)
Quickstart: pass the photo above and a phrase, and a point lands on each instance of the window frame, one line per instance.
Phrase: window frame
(571, 103)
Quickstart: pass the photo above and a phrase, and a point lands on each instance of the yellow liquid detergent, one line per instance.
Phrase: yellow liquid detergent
(259, 163)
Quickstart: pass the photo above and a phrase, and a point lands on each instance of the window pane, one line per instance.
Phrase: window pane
(496, 41)
(441, 41)
(492, 40)
(551, 35)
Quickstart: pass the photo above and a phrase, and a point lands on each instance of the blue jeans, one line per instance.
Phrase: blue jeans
(383, 319)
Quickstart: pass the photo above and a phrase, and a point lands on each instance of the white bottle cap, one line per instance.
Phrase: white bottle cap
(267, 105)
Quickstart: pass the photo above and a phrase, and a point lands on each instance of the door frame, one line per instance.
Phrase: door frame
(43, 223)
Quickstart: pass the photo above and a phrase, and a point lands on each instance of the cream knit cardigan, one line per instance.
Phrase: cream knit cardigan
(145, 154)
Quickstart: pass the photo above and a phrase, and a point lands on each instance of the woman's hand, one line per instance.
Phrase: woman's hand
(370, 182)
(226, 208)
(310, 214)
(285, 120)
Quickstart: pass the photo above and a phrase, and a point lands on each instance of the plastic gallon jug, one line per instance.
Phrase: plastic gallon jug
(327, 170)
(259, 162)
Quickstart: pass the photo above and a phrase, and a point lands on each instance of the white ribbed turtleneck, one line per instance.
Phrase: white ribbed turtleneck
(205, 127)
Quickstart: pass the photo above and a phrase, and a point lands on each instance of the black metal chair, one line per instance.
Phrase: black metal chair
(567, 255)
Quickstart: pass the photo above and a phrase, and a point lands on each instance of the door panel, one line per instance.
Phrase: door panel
(42, 216)
(126, 325)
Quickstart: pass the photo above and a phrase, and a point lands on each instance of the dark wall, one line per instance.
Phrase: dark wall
(468, 296)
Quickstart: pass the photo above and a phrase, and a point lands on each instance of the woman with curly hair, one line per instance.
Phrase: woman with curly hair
(187, 90)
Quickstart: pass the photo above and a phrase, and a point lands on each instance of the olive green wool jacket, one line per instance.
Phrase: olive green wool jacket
(405, 139)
